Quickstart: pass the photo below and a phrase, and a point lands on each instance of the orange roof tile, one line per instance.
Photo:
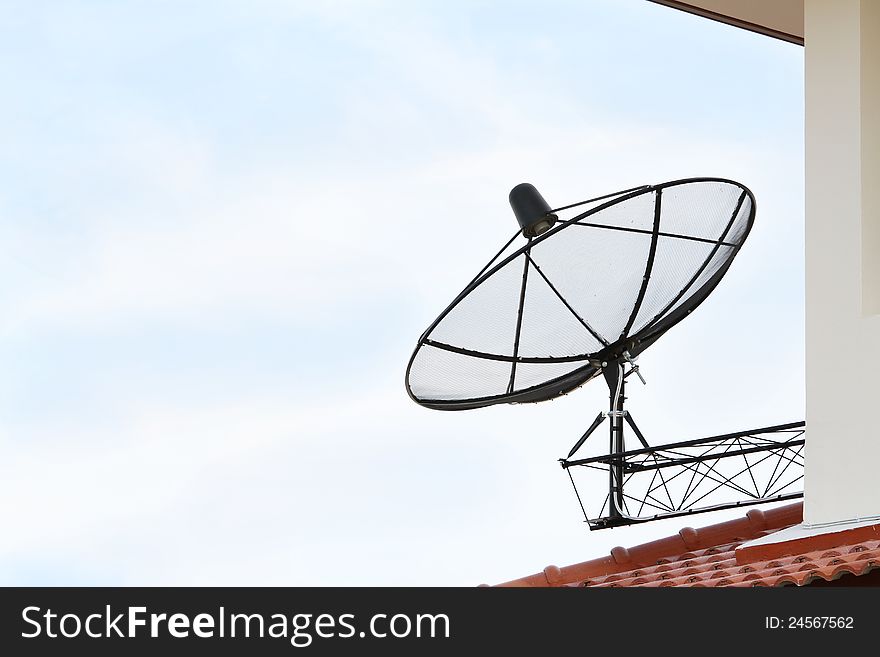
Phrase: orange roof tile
(708, 557)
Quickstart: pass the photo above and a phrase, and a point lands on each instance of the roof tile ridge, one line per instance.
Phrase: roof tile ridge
(621, 559)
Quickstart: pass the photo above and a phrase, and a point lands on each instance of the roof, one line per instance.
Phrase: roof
(780, 19)
(716, 556)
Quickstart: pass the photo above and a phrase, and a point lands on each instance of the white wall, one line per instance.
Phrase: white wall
(842, 283)
(870, 125)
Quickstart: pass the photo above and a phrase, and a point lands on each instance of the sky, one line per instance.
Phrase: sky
(224, 225)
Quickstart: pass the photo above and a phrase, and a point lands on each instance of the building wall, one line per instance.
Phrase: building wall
(870, 138)
(842, 65)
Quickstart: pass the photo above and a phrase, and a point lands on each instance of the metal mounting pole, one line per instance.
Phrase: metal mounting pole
(613, 373)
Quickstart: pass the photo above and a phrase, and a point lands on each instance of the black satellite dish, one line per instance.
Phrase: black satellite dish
(592, 289)
(584, 296)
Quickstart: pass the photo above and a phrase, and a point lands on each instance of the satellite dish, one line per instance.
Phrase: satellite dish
(596, 288)
(593, 285)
